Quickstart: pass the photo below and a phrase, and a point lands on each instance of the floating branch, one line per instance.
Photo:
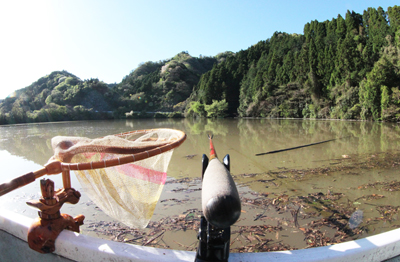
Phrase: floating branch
(291, 148)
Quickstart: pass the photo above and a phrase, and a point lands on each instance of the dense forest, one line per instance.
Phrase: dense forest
(344, 68)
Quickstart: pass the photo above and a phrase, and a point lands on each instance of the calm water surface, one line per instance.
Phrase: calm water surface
(336, 167)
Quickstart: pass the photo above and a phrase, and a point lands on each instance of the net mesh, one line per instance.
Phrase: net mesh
(128, 192)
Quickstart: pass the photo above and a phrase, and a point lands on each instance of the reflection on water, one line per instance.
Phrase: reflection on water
(242, 139)
(290, 175)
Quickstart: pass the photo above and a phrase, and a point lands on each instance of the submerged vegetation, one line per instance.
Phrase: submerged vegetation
(344, 68)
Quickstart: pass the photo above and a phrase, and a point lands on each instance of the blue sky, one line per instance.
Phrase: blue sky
(108, 39)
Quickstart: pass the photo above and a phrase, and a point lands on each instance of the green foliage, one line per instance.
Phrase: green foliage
(330, 64)
(385, 97)
(59, 96)
(394, 18)
(374, 91)
(176, 115)
(196, 109)
(166, 83)
(346, 68)
(217, 109)
(345, 98)
(160, 115)
(309, 111)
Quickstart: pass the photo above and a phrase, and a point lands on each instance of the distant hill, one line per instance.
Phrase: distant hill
(153, 86)
(56, 97)
(165, 85)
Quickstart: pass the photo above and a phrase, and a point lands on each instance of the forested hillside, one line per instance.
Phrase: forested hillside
(343, 68)
(165, 85)
(59, 96)
(153, 86)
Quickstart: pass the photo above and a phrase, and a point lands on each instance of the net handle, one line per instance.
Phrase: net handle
(57, 167)
(130, 158)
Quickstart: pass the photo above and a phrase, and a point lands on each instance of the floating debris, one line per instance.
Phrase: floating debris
(269, 220)
(356, 219)
(190, 156)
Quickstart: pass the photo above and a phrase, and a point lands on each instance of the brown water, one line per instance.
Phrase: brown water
(293, 199)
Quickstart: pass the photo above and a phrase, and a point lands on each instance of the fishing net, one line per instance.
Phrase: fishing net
(123, 174)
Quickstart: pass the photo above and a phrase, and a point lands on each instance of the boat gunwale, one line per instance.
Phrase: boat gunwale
(80, 247)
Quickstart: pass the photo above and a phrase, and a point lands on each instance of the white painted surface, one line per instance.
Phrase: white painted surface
(84, 248)
(13, 249)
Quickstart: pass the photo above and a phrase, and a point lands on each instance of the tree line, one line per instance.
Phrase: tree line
(343, 68)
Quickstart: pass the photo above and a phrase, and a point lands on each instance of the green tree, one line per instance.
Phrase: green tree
(394, 18)
(217, 109)
(341, 27)
(196, 109)
(377, 28)
(383, 74)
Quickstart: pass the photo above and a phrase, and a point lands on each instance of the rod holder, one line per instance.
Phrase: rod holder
(44, 231)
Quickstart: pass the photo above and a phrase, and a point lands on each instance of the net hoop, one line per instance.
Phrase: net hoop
(131, 157)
